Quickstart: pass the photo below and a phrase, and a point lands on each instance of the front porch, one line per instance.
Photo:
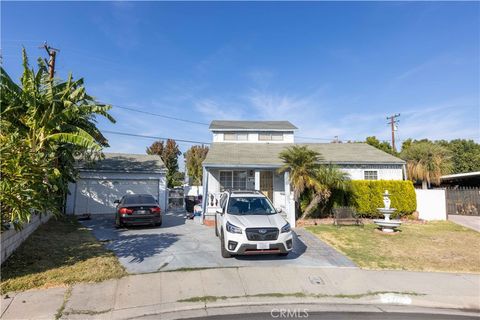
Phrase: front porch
(275, 186)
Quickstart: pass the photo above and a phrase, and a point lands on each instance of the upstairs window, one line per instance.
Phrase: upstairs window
(370, 175)
(235, 136)
(270, 136)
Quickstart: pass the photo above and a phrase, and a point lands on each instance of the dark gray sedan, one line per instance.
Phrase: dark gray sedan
(137, 209)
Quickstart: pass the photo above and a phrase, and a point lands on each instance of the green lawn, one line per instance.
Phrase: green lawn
(58, 253)
(435, 246)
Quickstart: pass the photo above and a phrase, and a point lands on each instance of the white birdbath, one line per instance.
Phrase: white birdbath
(387, 225)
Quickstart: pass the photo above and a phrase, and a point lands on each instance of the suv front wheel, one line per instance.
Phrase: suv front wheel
(225, 253)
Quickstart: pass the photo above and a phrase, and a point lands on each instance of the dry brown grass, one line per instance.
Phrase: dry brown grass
(434, 246)
(59, 253)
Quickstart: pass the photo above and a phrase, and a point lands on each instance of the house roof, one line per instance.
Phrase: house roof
(255, 154)
(225, 125)
(124, 162)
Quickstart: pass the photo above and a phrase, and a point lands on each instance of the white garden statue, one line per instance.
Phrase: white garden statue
(386, 200)
(386, 224)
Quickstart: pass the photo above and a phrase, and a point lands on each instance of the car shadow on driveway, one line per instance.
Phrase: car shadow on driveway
(135, 243)
(139, 247)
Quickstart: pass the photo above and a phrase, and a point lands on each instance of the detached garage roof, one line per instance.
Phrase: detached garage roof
(124, 162)
(268, 154)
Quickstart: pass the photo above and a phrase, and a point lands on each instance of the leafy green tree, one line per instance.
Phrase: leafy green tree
(193, 161)
(427, 162)
(169, 153)
(406, 144)
(50, 121)
(382, 145)
(465, 155)
(178, 178)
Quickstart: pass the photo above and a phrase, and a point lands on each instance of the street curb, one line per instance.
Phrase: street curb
(199, 309)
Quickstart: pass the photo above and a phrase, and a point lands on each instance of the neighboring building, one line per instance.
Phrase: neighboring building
(242, 157)
(101, 183)
(468, 179)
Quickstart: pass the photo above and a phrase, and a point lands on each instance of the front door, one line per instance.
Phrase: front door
(266, 183)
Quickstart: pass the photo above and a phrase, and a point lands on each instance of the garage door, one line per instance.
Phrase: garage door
(97, 196)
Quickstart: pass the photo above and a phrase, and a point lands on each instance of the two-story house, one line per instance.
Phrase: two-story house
(245, 155)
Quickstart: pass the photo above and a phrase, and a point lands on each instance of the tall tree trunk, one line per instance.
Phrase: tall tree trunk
(313, 204)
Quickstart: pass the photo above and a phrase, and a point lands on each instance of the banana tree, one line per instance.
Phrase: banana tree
(55, 120)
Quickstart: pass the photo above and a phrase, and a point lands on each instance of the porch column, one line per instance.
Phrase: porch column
(289, 203)
(257, 180)
(205, 193)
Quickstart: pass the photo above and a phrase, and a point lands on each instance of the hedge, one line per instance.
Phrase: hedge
(367, 197)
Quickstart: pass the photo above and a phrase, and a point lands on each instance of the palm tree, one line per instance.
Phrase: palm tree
(302, 163)
(427, 162)
(332, 180)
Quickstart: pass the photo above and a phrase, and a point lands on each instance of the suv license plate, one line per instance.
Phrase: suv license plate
(263, 246)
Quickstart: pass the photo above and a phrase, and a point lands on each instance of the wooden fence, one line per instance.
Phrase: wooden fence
(463, 201)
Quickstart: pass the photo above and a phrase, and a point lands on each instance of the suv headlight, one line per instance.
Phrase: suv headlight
(233, 228)
(286, 228)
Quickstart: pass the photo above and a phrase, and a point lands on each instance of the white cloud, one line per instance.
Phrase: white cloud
(213, 109)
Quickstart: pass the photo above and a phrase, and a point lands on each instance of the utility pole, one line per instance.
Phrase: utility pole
(392, 122)
(52, 53)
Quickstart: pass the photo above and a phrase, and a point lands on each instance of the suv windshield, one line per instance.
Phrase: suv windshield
(249, 205)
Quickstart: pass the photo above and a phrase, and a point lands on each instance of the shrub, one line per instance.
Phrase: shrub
(367, 197)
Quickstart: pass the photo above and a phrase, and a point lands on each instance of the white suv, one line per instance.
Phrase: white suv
(249, 224)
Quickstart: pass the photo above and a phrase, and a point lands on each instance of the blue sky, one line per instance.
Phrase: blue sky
(332, 69)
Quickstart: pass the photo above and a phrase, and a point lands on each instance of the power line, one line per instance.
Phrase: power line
(152, 137)
(130, 108)
(159, 115)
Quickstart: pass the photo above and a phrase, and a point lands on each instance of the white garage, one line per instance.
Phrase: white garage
(107, 180)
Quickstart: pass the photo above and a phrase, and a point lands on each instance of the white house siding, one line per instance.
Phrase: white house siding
(384, 172)
(95, 192)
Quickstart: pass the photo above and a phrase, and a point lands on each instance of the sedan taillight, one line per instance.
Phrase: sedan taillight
(155, 210)
(125, 211)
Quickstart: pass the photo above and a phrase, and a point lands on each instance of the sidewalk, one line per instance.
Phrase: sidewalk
(194, 291)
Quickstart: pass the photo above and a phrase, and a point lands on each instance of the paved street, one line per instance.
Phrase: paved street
(341, 316)
(186, 294)
(181, 243)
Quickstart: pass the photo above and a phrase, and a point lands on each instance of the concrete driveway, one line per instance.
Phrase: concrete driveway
(181, 243)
